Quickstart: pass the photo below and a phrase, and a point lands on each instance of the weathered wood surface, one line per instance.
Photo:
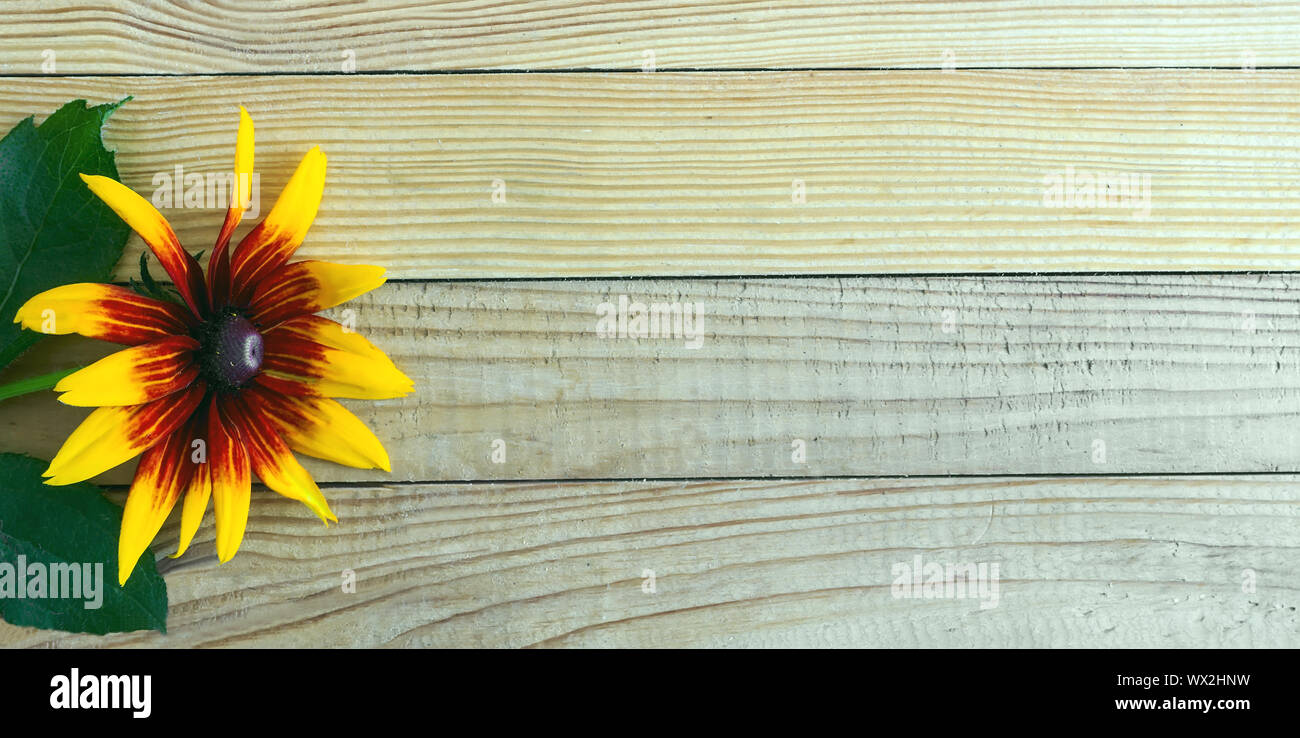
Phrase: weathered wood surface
(874, 376)
(249, 36)
(937, 170)
(1081, 562)
(693, 174)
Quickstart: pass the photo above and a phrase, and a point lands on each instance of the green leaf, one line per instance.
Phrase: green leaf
(53, 230)
(69, 525)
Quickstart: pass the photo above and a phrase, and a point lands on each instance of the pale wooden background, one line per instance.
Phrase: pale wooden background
(953, 416)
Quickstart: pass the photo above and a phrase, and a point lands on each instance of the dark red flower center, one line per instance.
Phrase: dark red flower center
(230, 351)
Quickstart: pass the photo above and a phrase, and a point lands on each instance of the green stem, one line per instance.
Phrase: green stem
(34, 384)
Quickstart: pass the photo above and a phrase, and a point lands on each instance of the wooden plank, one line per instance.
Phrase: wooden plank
(1111, 562)
(874, 376)
(121, 36)
(691, 174)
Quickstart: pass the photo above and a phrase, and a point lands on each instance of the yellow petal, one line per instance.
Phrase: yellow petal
(231, 483)
(240, 193)
(102, 311)
(157, 233)
(164, 470)
(136, 211)
(270, 244)
(243, 158)
(307, 287)
(113, 435)
(132, 376)
(332, 361)
(321, 427)
(274, 463)
(196, 504)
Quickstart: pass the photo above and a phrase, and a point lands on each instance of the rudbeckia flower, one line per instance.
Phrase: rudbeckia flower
(232, 378)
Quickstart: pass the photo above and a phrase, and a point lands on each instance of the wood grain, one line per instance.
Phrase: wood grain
(875, 376)
(995, 387)
(1110, 562)
(248, 36)
(691, 174)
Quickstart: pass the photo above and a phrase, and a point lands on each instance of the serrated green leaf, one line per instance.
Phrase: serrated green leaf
(53, 230)
(72, 524)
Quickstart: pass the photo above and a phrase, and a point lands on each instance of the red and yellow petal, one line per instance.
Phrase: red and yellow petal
(321, 427)
(134, 375)
(102, 311)
(232, 483)
(145, 220)
(113, 435)
(197, 495)
(165, 471)
(270, 244)
(219, 264)
(272, 460)
(307, 287)
(331, 361)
